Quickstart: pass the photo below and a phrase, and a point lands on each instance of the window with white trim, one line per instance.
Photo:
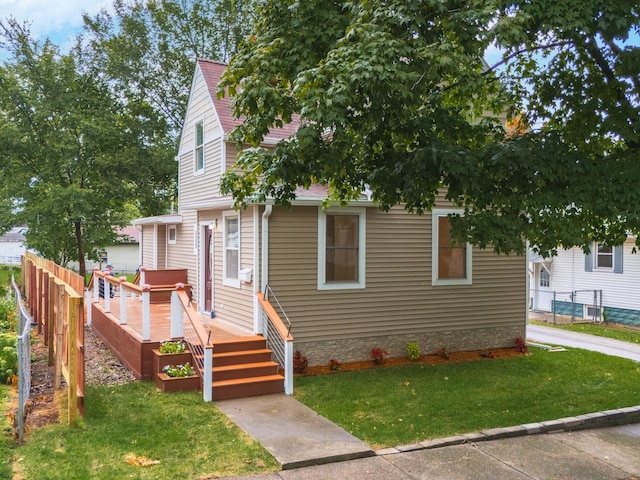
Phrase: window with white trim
(451, 260)
(231, 247)
(545, 278)
(199, 147)
(171, 235)
(341, 248)
(604, 256)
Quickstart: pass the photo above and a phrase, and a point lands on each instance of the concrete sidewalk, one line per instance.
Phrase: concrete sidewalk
(600, 445)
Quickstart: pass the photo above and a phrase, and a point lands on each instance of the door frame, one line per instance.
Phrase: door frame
(207, 265)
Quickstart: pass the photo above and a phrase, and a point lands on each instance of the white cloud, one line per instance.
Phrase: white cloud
(58, 20)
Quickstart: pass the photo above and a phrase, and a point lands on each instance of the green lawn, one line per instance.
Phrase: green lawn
(188, 438)
(401, 405)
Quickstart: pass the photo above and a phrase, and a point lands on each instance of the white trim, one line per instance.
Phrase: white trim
(175, 234)
(362, 254)
(202, 280)
(256, 268)
(198, 171)
(230, 282)
(440, 212)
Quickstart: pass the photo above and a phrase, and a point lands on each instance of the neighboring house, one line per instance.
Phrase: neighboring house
(349, 279)
(12, 246)
(584, 286)
(123, 255)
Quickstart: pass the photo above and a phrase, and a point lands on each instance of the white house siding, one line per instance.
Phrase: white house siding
(398, 304)
(619, 290)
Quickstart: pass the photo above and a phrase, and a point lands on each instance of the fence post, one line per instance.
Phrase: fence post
(72, 356)
(146, 312)
(177, 315)
(207, 376)
(96, 285)
(288, 368)
(59, 328)
(123, 301)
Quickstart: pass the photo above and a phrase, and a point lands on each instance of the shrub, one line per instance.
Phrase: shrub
(378, 355)
(300, 362)
(8, 315)
(521, 345)
(443, 353)
(413, 351)
(8, 357)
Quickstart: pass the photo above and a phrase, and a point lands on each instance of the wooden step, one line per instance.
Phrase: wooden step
(248, 387)
(240, 357)
(254, 342)
(230, 372)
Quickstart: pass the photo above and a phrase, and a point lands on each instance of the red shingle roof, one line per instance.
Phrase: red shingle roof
(212, 71)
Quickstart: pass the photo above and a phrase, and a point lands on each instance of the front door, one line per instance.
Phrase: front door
(208, 269)
(543, 295)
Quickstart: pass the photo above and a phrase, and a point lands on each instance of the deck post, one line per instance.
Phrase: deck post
(89, 313)
(96, 285)
(207, 376)
(177, 316)
(123, 301)
(288, 367)
(146, 312)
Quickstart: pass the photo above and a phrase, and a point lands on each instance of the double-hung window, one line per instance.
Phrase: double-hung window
(199, 147)
(341, 248)
(231, 240)
(451, 259)
(604, 256)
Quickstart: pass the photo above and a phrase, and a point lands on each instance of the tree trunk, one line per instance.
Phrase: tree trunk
(81, 265)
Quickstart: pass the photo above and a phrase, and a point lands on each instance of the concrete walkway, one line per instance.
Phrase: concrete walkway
(608, 346)
(600, 445)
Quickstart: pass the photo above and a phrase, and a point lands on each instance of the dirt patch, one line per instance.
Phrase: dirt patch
(43, 406)
(449, 357)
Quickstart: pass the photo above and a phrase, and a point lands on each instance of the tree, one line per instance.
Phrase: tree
(147, 48)
(394, 96)
(74, 157)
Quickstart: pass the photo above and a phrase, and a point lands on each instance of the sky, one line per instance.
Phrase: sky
(58, 20)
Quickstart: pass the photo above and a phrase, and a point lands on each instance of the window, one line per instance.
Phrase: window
(451, 260)
(604, 256)
(545, 278)
(231, 240)
(199, 147)
(341, 249)
(171, 235)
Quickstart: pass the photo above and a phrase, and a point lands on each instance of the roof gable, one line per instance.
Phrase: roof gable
(211, 73)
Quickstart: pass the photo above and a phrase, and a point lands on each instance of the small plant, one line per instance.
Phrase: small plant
(521, 345)
(413, 351)
(8, 357)
(442, 352)
(334, 364)
(378, 355)
(185, 370)
(487, 355)
(169, 346)
(300, 362)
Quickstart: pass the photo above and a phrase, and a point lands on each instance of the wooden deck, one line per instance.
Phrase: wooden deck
(126, 341)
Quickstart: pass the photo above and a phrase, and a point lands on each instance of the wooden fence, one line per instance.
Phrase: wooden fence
(55, 299)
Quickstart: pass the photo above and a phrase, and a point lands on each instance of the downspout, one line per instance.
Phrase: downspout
(264, 271)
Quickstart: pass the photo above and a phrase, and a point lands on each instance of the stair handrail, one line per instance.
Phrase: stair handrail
(194, 320)
(282, 346)
(268, 292)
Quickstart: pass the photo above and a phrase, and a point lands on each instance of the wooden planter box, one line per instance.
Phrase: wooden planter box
(161, 360)
(177, 384)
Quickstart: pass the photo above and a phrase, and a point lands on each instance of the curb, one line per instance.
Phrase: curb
(607, 418)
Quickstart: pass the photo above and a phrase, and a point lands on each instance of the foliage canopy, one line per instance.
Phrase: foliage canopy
(395, 97)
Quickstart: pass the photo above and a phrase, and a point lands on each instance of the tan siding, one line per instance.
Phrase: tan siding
(398, 297)
(162, 247)
(180, 254)
(233, 305)
(206, 184)
(148, 240)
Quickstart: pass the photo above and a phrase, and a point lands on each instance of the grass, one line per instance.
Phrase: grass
(609, 330)
(6, 445)
(401, 405)
(188, 438)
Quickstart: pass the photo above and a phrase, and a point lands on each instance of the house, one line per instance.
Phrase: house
(124, 255)
(12, 246)
(594, 286)
(349, 279)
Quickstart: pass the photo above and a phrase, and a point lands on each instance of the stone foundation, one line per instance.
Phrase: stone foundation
(357, 349)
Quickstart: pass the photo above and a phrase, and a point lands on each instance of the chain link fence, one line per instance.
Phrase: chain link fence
(24, 358)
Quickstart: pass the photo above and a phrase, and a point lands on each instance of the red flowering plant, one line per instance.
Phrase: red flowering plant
(378, 355)
(334, 364)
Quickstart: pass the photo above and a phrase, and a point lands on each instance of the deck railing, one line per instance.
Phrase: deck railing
(278, 335)
(196, 334)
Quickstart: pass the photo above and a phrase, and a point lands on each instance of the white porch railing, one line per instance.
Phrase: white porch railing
(279, 339)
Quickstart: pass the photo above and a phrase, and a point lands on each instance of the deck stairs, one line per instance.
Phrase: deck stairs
(242, 367)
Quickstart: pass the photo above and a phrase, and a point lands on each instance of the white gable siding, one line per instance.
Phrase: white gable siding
(621, 290)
